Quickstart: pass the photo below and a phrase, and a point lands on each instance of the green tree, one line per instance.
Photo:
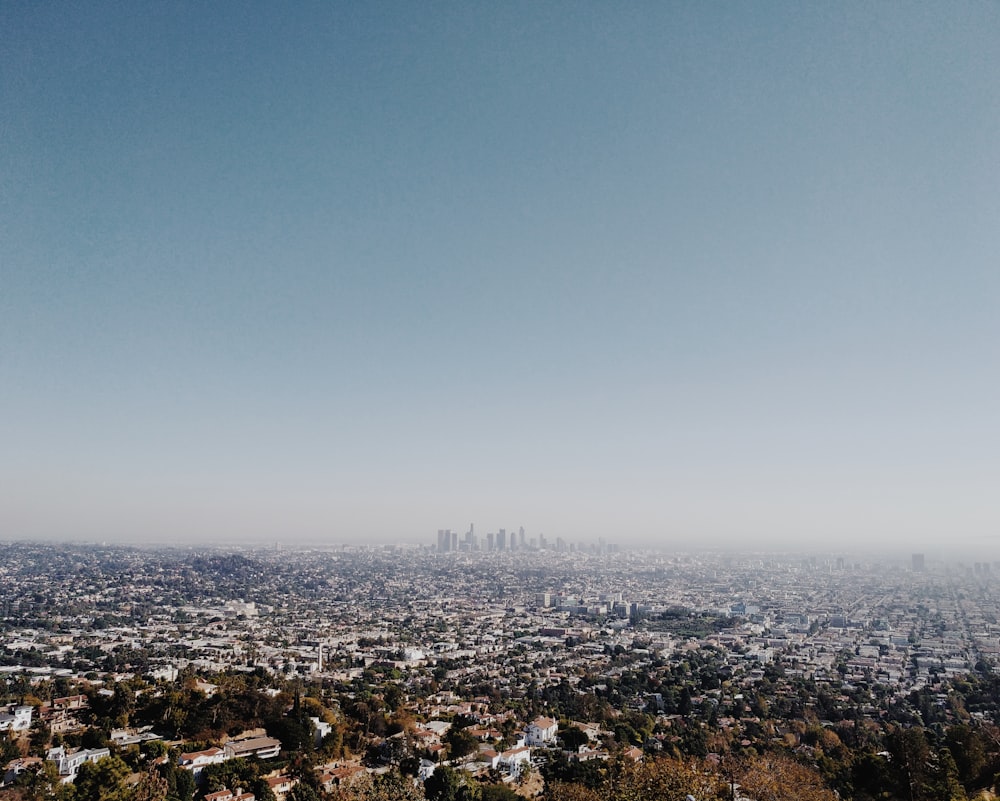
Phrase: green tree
(969, 751)
(944, 782)
(572, 738)
(448, 784)
(302, 792)
(460, 743)
(103, 780)
(43, 785)
(498, 792)
(8, 749)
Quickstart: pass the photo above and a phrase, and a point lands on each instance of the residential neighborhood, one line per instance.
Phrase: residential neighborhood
(506, 668)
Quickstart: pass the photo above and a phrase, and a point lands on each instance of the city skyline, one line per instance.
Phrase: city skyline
(691, 274)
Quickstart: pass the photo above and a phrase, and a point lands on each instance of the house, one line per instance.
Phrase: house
(195, 761)
(229, 795)
(439, 727)
(18, 719)
(69, 763)
(436, 752)
(489, 757)
(542, 731)
(70, 703)
(320, 729)
(633, 754)
(280, 785)
(514, 760)
(18, 766)
(260, 747)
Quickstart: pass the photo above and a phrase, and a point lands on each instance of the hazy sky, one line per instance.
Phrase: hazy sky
(679, 273)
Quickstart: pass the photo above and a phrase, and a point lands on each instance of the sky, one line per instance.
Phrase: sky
(666, 273)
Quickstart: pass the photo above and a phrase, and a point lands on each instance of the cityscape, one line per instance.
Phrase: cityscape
(518, 401)
(350, 671)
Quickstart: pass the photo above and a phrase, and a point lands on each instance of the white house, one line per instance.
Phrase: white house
(194, 761)
(514, 760)
(320, 729)
(17, 720)
(542, 731)
(260, 747)
(69, 764)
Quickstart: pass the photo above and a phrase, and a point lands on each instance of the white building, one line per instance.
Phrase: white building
(320, 728)
(17, 720)
(260, 747)
(195, 761)
(68, 764)
(542, 731)
(514, 760)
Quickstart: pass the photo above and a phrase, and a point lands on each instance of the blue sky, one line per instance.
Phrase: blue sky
(667, 273)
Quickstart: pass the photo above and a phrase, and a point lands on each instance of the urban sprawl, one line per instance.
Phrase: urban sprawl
(494, 668)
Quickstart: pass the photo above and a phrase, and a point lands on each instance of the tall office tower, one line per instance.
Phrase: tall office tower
(917, 562)
(489, 540)
(542, 544)
(520, 536)
(560, 544)
(443, 543)
(502, 540)
(454, 539)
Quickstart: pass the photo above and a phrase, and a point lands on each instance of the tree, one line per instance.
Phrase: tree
(442, 784)
(776, 777)
(944, 783)
(567, 791)
(969, 751)
(302, 792)
(666, 779)
(447, 784)
(103, 780)
(43, 785)
(460, 743)
(380, 787)
(573, 737)
(150, 787)
(498, 792)
(8, 749)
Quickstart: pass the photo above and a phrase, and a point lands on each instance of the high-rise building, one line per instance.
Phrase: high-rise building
(917, 562)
